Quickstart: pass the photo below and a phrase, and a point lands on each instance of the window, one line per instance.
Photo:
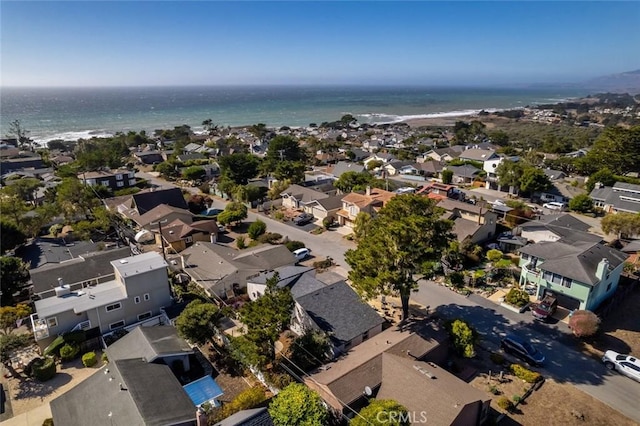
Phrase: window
(119, 177)
(120, 184)
(147, 297)
(136, 300)
(85, 325)
(188, 239)
(52, 322)
(547, 275)
(144, 316)
(113, 307)
(104, 183)
(115, 325)
(557, 278)
(524, 256)
(566, 282)
(132, 182)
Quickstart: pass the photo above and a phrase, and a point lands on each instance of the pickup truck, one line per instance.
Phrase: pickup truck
(545, 308)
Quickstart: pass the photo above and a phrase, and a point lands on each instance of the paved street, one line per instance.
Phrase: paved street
(565, 363)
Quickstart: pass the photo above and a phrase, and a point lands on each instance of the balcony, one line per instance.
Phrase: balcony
(526, 268)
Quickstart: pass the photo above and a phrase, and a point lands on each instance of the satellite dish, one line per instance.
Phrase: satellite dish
(144, 236)
(368, 391)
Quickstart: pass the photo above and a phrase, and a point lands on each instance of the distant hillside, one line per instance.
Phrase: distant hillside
(628, 82)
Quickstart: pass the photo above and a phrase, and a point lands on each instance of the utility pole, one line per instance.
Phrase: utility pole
(159, 223)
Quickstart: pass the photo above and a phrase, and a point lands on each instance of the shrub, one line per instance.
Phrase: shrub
(517, 399)
(47, 422)
(494, 255)
(89, 359)
(270, 238)
(105, 358)
(69, 352)
(517, 297)
(278, 216)
(250, 398)
(494, 390)
(43, 369)
(323, 264)
(497, 358)
(75, 337)
(294, 245)
(463, 337)
(241, 242)
(505, 403)
(524, 373)
(327, 222)
(584, 323)
(256, 229)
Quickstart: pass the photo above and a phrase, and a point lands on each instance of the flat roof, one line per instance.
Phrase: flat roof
(82, 300)
(134, 265)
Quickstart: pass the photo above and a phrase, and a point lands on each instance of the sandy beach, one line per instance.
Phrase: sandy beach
(439, 121)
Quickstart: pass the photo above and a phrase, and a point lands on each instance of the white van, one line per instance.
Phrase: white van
(554, 205)
(302, 253)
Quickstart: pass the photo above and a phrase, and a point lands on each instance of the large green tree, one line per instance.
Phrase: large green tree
(234, 212)
(197, 321)
(509, 173)
(382, 412)
(621, 224)
(618, 149)
(581, 203)
(10, 236)
(353, 181)
(13, 275)
(74, 198)
(534, 180)
(24, 188)
(239, 167)
(297, 405)
(292, 171)
(407, 233)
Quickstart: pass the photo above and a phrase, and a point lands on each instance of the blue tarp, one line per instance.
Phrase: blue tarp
(203, 390)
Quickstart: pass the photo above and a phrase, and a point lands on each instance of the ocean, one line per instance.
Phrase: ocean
(74, 113)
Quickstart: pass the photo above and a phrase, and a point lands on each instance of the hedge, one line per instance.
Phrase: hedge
(517, 297)
(525, 374)
(89, 359)
(43, 369)
(69, 352)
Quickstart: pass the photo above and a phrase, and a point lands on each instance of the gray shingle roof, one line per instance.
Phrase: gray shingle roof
(252, 417)
(343, 167)
(476, 154)
(467, 171)
(340, 312)
(146, 201)
(149, 343)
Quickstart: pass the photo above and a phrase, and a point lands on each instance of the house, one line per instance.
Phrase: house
(621, 197)
(554, 174)
(464, 174)
(401, 168)
(555, 227)
(342, 167)
(60, 160)
(219, 269)
(141, 385)
(183, 158)
(429, 168)
(401, 364)
(474, 222)
(88, 269)
(334, 308)
(116, 179)
(577, 154)
(161, 213)
(326, 207)
(191, 147)
(148, 157)
(580, 274)
(15, 164)
(632, 249)
(438, 191)
(145, 201)
(370, 202)
(490, 167)
(139, 290)
(443, 154)
(296, 196)
(252, 417)
(46, 252)
(380, 156)
(178, 235)
(478, 154)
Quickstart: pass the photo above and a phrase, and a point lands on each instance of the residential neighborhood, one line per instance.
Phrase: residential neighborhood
(174, 289)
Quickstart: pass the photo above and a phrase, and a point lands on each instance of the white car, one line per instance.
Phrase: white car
(625, 364)
(302, 253)
(555, 206)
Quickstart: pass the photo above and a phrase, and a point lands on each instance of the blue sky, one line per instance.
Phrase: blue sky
(219, 43)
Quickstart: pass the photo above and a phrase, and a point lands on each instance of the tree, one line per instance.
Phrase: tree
(603, 176)
(277, 188)
(382, 412)
(290, 170)
(310, 350)
(581, 203)
(256, 229)
(534, 180)
(10, 315)
(19, 133)
(259, 130)
(239, 167)
(622, 224)
(374, 164)
(617, 149)
(463, 337)
(350, 181)
(193, 173)
(447, 176)
(12, 207)
(74, 198)
(167, 169)
(297, 405)
(407, 232)
(233, 212)
(494, 255)
(197, 321)
(10, 236)
(509, 173)
(361, 225)
(24, 188)
(209, 126)
(198, 203)
(13, 275)
(584, 323)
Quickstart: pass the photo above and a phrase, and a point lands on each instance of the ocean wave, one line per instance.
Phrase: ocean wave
(73, 136)
(381, 118)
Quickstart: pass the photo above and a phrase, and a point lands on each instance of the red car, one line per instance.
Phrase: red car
(545, 308)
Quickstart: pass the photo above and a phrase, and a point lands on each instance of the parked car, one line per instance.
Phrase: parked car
(555, 206)
(520, 347)
(546, 308)
(302, 253)
(303, 219)
(625, 364)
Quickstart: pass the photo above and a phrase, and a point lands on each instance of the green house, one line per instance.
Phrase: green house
(581, 274)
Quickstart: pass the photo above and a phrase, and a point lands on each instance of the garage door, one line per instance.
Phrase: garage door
(565, 301)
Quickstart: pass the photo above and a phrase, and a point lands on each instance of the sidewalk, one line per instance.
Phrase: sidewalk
(34, 417)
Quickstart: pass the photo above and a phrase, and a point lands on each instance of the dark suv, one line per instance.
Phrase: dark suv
(520, 347)
(303, 219)
(545, 308)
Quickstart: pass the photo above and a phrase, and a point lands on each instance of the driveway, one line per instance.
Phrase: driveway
(565, 361)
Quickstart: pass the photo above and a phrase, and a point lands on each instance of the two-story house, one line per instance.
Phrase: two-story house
(621, 197)
(581, 274)
(113, 179)
(139, 290)
(474, 222)
(370, 202)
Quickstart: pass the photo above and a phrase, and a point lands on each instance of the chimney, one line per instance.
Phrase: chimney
(368, 191)
(603, 269)
(185, 259)
(201, 417)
